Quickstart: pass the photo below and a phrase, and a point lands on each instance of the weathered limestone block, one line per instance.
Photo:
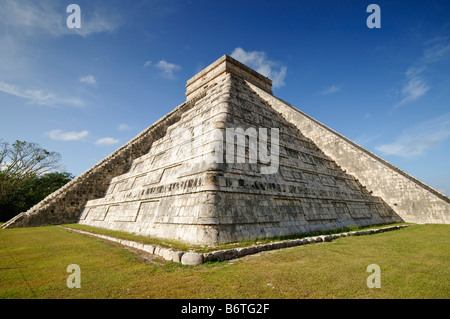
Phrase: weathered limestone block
(166, 254)
(148, 248)
(176, 256)
(191, 258)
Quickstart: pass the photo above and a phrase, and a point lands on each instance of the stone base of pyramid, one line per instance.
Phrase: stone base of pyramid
(222, 217)
(164, 183)
(173, 192)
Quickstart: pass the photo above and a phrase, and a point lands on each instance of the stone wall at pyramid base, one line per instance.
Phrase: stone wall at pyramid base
(247, 216)
(170, 216)
(217, 217)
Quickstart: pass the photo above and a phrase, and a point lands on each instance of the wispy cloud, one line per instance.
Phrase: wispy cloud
(417, 140)
(39, 96)
(147, 64)
(31, 16)
(98, 22)
(60, 135)
(107, 141)
(365, 139)
(124, 127)
(49, 17)
(439, 50)
(414, 86)
(167, 69)
(414, 83)
(331, 89)
(259, 61)
(88, 79)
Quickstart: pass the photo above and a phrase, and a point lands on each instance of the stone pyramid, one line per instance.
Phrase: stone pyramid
(232, 163)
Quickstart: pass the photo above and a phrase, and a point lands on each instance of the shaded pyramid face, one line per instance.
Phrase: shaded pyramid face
(232, 168)
(233, 163)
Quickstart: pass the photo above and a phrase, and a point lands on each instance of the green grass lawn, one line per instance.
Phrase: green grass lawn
(414, 263)
(178, 245)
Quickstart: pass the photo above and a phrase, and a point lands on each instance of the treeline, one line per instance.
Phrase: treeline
(28, 173)
(30, 193)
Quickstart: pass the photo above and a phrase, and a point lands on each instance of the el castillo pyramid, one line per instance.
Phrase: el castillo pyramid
(235, 162)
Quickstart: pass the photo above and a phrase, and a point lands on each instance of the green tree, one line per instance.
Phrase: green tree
(22, 162)
(32, 192)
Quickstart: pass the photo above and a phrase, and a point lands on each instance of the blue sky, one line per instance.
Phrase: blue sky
(85, 92)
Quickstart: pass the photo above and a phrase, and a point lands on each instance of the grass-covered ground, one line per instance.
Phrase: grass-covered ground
(414, 263)
(178, 245)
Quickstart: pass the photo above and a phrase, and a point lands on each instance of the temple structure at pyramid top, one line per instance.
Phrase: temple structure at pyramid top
(234, 162)
(226, 64)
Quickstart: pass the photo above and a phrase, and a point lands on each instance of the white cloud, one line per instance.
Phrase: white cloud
(259, 61)
(415, 84)
(278, 77)
(59, 135)
(167, 69)
(438, 51)
(414, 88)
(124, 127)
(331, 89)
(107, 141)
(98, 23)
(417, 140)
(147, 64)
(31, 17)
(38, 96)
(88, 79)
(365, 139)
